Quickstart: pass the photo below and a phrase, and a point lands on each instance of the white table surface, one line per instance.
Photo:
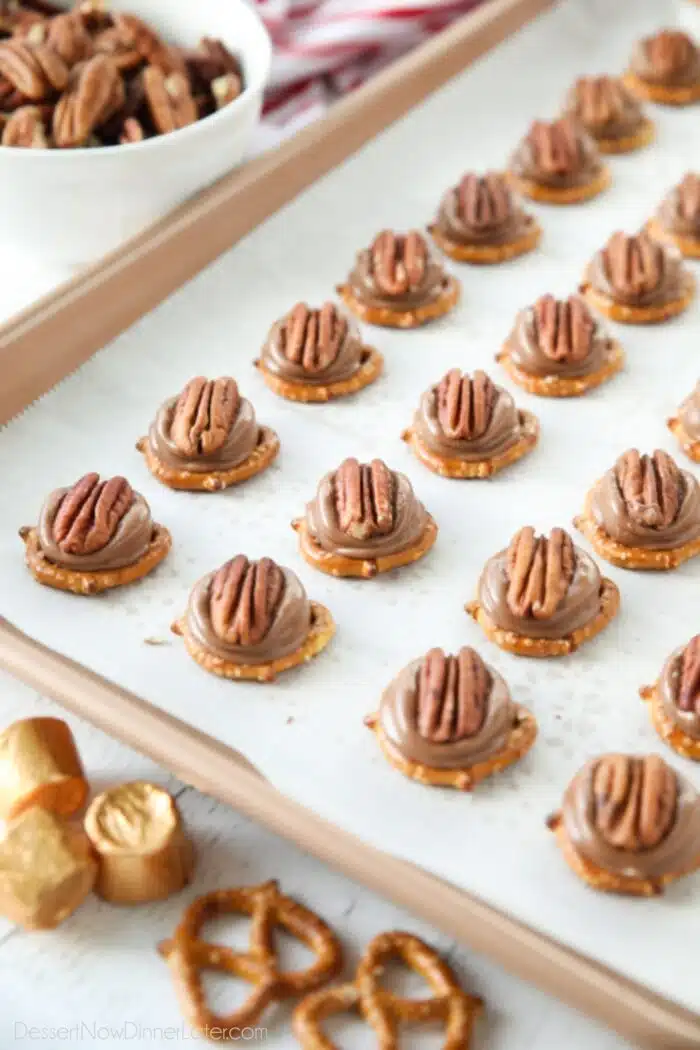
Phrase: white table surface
(99, 978)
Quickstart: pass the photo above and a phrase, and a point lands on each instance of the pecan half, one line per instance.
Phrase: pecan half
(669, 52)
(556, 145)
(465, 404)
(399, 262)
(365, 498)
(313, 338)
(35, 70)
(89, 514)
(95, 93)
(452, 695)
(110, 42)
(634, 265)
(689, 685)
(203, 415)
(540, 571)
(70, 39)
(131, 131)
(135, 35)
(652, 487)
(564, 328)
(169, 99)
(226, 89)
(634, 801)
(25, 128)
(689, 197)
(484, 200)
(599, 100)
(244, 598)
(210, 61)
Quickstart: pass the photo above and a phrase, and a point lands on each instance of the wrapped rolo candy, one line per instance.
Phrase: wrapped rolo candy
(317, 355)
(558, 349)
(629, 824)
(677, 219)
(399, 283)
(94, 536)
(252, 620)
(364, 520)
(467, 427)
(644, 513)
(557, 162)
(665, 68)
(450, 721)
(610, 113)
(40, 765)
(543, 596)
(480, 221)
(207, 438)
(46, 869)
(637, 280)
(138, 836)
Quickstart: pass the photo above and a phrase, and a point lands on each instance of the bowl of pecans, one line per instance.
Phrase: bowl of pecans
(112, 112)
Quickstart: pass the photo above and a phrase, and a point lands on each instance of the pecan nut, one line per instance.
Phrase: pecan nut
(669, 52)
(365, 498)
(313, 338)
(452, 695)
(399, 263)
(600, 100)
(556, 146)
(634, 265)
(540, 570)
(652, 487)
(689, 198)
(564, 328)
(634, 801)
(69, 38)
(226, 89)
(244, 598)
(131, 131)
(25, 128)
(35, 70)
(95, 93)
(210, 61)
(203, 415)
(89, 514)
(465, 404)
(485, 200)
(135, 36)
(169, 99)
(689, 684)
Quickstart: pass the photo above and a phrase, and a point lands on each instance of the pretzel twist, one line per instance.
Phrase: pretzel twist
(187, 954)
(384, 1011)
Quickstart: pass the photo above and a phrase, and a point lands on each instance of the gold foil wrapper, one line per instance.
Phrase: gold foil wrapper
(40, 766)
(143, 852)
(46, 869)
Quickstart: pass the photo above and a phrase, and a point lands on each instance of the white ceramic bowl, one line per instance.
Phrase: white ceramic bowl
(69, 207)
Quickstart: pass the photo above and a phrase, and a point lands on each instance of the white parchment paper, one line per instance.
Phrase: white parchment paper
(306, 732)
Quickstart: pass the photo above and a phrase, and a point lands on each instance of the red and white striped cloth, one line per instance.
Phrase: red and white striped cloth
(326, 48)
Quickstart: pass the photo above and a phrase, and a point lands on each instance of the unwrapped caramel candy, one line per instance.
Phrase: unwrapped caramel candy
(40, 766)
(137, 832)
(46, 869)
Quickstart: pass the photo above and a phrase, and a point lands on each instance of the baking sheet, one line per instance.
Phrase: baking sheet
(305, 732)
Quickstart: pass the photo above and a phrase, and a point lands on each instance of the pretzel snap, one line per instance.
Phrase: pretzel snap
(384, 1011)
(187, 954)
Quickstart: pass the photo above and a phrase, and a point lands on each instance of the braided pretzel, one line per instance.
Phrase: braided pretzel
(187, 954)
(383, 1010)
